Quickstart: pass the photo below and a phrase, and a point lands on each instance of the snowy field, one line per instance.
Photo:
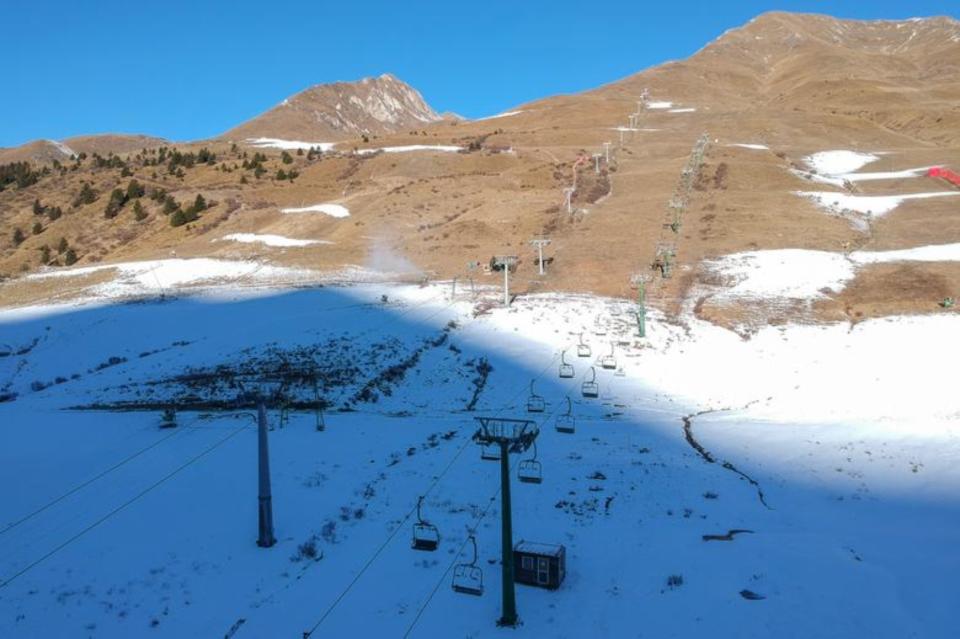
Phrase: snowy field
(834, 447)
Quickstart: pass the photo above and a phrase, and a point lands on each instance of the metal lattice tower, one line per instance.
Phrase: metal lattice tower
(506, 262)
(540, 242)
(512, 436)
(639, 282)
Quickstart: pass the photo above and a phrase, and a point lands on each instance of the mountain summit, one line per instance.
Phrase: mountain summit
(342, 110)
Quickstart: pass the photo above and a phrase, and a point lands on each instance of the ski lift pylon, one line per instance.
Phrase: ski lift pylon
(566, 370)
(583, 349)
(426, 536)
(468, 577)
(565, 423)
(530, 471)
(535, 403)
(590, 388)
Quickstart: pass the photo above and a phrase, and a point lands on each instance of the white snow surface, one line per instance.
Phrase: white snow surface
(270, 240)
(755, 147)
(333, 210)
(160, 276)
(838, 162)
(444, 148)
(807, 274)
(870, 205)
(683, 110)
(660, 104)
(506, 114)
(289, 145)
(119, 529)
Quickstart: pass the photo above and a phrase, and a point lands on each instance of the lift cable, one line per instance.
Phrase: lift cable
(151, 487)
(473, 530)
(402, 523)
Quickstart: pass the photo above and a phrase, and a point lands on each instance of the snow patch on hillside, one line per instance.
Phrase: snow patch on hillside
(683, 110)
(270, 240)
(161, 276)
(838, 162)
(755, 147)
(288, 145)
(444, 148)
(659, 104)
(869, 205)
(807, 274)
(499, 115)
(333, 210)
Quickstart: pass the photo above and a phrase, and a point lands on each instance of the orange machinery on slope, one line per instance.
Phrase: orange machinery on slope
(945, 174)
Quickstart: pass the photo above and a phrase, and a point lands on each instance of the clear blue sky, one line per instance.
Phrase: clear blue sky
(188, 70)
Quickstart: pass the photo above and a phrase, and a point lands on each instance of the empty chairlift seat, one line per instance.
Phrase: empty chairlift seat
(583, 349)
(468, 577)
(565, 423)
(566, 370)
(590, 388)
(609, 362)
(426, 536)
(535, 403)
(530, 471)
(490, 452)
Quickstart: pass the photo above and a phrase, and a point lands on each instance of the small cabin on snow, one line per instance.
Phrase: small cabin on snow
(541, 565)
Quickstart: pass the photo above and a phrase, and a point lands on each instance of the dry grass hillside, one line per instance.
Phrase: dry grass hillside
(790, 85)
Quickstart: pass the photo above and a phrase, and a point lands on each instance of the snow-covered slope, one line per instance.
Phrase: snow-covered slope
(834, 448)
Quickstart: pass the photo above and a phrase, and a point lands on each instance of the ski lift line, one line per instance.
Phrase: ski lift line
(403, 522)
(443, 577)
(103, 473)
(463, 544)
(7, 581)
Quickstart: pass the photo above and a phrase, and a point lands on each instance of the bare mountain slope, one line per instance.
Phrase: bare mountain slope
(340, 111)
(104, 144)
(787, 86)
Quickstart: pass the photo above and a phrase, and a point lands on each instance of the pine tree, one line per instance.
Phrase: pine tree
(286, 158)
(62, 246)
(45, 254)
(37, 207)
(281, 174)
(54, 213)
(135, 190)
(70, 258)
(37, 228)
(18, 237)
(139, 213)
(179, 218)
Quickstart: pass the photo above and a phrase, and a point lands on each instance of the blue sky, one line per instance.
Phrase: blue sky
(188, 70)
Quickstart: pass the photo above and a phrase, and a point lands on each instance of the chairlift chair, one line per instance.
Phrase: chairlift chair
(583, 349)
(590, 388)
(565, 423)
(490, 452)
(426, 536)
(600, 328)
(566, 370)
(530, 471)
(535, 403)
(467, 577)
(620, 372)
(609, 361)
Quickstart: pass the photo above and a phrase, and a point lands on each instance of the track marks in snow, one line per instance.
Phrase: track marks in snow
(708, 456)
